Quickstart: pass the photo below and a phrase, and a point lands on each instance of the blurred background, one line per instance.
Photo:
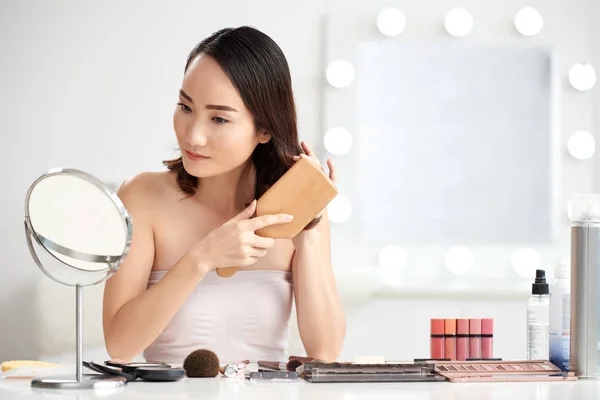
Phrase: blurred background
(460, 130)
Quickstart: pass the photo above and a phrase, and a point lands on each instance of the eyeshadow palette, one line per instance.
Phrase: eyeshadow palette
(345, 372)
(500, 371)
(435, 371)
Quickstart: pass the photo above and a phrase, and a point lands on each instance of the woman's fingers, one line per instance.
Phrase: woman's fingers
(332, 171)
(258, 252)
(307, 149)
(309, 156)
(262, 242)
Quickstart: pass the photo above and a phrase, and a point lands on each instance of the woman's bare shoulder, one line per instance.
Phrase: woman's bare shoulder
(147, 187)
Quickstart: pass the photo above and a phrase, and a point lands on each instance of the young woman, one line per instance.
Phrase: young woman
(235, 124)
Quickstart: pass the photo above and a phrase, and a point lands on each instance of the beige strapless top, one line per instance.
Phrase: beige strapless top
(242, 317)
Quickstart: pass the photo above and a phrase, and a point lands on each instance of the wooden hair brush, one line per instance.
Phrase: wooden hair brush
(303, 191)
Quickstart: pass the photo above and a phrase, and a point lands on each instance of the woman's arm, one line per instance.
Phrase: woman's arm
(321, 319)
(134, 317)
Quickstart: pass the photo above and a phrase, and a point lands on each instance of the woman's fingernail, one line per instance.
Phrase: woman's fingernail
(289, 217)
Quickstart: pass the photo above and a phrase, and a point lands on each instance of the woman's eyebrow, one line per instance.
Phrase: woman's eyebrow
(185, 96)
(208, 106)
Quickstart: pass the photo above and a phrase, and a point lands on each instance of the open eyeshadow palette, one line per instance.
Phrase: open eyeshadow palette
(343, 372)
(501, 371)
(434, 371)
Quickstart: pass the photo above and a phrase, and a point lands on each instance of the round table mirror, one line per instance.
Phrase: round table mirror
(78, 233)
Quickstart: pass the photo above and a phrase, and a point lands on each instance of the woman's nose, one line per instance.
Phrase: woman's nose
(197, 136)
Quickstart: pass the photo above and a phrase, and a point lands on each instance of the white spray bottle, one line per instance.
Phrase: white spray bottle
(560, 315)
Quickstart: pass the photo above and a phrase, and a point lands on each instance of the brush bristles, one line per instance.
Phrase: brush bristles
(293, 364)
(201, 363)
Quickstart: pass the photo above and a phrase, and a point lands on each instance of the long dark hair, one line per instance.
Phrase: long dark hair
(259, 71)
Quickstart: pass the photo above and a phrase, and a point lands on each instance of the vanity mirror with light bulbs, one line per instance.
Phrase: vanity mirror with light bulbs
(456, 152)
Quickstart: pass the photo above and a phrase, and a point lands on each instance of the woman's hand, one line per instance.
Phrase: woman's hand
(312, 158)
(234, 244)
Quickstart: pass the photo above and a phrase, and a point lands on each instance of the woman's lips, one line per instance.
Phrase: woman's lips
(195, 156)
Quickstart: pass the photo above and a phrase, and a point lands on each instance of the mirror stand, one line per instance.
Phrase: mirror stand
(80, 381)
(63, 209)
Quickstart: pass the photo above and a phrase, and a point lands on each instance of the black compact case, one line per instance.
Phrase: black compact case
(152, 372)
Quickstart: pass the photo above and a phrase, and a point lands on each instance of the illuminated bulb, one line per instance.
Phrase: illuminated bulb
(582, 76)
(339, 209)
(458, 22)
(338, 141)
(340, 73)
(529, 21)
(392, 257)
(581, 145)
(391, 22)
(459, 260)
(525, 261)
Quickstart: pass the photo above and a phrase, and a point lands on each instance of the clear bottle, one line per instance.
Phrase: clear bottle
(560, 315)
(538, 319)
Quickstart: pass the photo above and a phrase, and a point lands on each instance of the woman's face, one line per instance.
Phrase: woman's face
(215, 131)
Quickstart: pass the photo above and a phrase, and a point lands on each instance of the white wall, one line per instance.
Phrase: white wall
(92, 85)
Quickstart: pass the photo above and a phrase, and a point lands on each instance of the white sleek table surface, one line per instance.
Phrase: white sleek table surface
(225, 388)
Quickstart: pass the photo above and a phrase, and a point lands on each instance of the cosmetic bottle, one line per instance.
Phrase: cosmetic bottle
(487, 338)
(475, 338)
(560, 311)
(437, 338)
(462, 339)
(450, 338)
(538, 319)
(585, 281)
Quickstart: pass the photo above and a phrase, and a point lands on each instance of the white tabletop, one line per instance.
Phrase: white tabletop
(239, 388)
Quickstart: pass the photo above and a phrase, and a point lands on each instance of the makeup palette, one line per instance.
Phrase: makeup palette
(344, 372)
(435, 371)
(500, 371)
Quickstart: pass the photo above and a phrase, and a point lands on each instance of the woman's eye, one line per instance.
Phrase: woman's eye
(220, 120)
(184, 108)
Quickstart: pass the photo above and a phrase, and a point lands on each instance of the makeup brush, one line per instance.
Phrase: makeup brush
(293, 364)
(201, 363)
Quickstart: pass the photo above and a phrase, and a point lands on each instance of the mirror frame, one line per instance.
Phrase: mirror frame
(113, 262)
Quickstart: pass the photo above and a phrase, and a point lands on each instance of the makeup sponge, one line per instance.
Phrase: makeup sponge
(201, 363)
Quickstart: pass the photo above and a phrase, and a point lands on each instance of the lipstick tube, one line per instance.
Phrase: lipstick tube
(450, 339)
(437, 338)
(475, 338)
(487, 338)
(462, 339)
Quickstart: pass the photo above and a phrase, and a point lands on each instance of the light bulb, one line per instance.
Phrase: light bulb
(338, 141)
(459, 260)
(582, 76)
(581, 145)
(525, 261)
(391, 21)
(458, 22)
(340, 73)
(529, 21)
(339, 209)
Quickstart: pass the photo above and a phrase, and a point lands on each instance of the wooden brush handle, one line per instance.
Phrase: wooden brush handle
(227, 272)
(303, 191)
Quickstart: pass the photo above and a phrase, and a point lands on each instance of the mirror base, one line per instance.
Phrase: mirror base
(88, 382)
